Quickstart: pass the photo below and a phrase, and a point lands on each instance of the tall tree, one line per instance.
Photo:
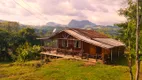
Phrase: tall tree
(137, 43)
(128, 32)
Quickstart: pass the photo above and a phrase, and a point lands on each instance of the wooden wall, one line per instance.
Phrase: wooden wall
(88, 48)
(70, 40)
(70, 44)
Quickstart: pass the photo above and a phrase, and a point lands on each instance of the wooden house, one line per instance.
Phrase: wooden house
(86, 42)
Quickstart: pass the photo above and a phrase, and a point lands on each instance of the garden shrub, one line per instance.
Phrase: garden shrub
(27, 52)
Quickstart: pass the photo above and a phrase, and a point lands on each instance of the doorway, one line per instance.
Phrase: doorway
(98, 52)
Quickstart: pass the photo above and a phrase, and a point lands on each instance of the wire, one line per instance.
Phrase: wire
(34, 9)
(26, 9)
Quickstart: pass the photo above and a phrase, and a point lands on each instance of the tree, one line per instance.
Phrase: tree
(4, 39)
(128, 31)
(137, 43)
(15, 41)
(27, 52)
(11, 38)
(29, 35)
(10, 26)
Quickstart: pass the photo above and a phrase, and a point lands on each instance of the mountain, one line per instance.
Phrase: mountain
(80, 24)
(53, 24)
(2, 20)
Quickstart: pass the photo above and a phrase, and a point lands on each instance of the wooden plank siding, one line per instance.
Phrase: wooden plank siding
(92, 50)
(70, 44)
(90, 42)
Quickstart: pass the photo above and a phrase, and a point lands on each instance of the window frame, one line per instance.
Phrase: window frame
(77, 44)
(65, 43)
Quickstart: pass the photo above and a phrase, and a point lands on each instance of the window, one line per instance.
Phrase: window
(64, 43)
(77, 44)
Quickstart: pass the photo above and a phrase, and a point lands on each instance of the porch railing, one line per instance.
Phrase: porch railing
(72, 52)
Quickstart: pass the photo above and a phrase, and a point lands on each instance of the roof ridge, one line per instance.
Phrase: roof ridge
(81, 34)
(89, 33)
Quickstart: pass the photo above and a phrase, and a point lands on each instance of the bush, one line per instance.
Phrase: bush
(27, 52)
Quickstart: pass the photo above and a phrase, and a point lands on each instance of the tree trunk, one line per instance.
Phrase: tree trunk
(137, 70)
(130, 62)
(130, 69)
(137, 44)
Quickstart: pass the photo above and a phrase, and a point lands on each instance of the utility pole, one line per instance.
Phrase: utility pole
(137, 42)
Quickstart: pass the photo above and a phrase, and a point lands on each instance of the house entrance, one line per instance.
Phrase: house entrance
(98, 52)
(92, 50)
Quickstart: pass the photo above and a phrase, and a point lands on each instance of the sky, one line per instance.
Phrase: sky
(39, 12)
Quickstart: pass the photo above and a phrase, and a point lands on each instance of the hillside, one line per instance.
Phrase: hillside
(62, 70)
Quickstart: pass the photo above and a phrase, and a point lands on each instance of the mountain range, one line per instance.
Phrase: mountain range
(1, 20)
(83, 24)
(53, 24)
(73, 24)
(80, 24)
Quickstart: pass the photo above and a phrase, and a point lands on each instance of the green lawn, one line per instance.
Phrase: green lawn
(61, 69)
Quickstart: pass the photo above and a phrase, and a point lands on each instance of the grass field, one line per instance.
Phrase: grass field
(62, 69)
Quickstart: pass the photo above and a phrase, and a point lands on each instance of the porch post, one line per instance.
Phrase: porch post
(111, 55)
(96, 56)
(103, 53)
(41, 56)
(57, 44)
(52, 43)
(82, 49)
(118, 51)
(42, 42)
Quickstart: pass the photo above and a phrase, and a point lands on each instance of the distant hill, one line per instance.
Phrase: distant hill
(84, 24)
(53, 24)
(80, 24)
(1, 20)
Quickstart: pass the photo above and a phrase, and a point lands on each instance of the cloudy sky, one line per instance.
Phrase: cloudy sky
(39, 12)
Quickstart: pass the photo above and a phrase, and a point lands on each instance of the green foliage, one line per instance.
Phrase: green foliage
(10, 26)
(109, 31)
(28, 52)
(4, 39)
(45, 31)
(12, 40)
(127, 32)
(29, 35)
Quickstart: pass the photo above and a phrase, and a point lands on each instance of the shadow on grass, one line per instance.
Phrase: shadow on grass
(123, 61)
(5, 62)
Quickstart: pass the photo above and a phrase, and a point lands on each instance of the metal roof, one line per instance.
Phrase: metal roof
(110, 41)
(89, 33)
(91, 37)
(87, 40)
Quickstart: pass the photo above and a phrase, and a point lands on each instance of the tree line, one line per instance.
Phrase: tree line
(17, 43)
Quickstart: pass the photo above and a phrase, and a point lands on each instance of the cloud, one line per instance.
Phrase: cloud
(82, 5)
(61, 11)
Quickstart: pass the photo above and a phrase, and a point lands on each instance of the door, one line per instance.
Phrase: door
(92, 50)
(98, 52)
